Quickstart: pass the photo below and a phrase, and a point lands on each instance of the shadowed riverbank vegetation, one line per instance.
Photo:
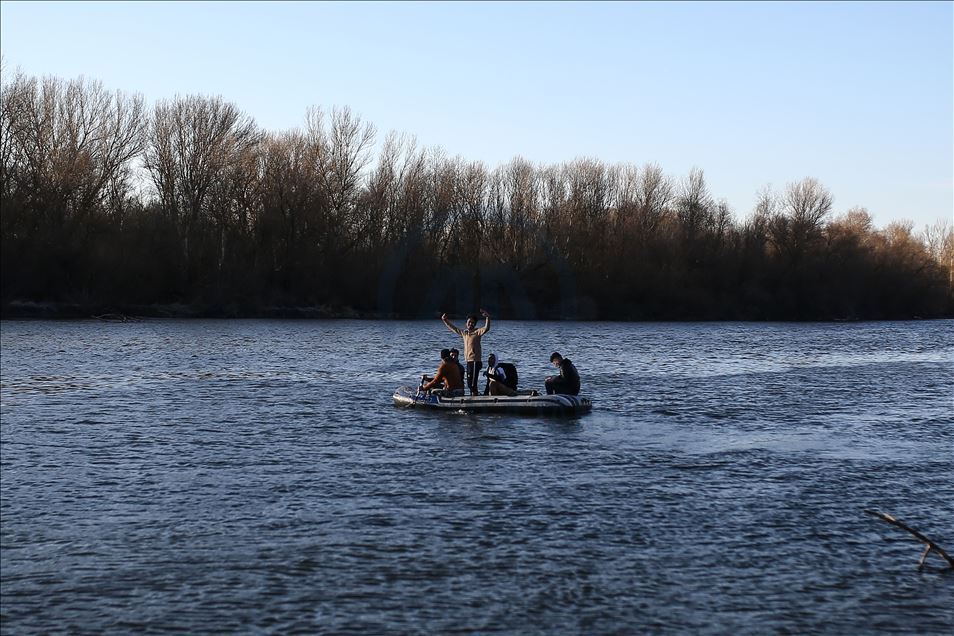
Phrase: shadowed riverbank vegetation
(190, 208)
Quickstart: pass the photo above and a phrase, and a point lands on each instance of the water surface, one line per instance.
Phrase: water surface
(253, 476)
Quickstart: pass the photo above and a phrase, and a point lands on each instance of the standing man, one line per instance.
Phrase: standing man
(471, 336)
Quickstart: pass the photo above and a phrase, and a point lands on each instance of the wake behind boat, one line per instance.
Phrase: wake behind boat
(522, 404)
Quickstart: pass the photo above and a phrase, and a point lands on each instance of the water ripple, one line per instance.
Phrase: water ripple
(253, 476)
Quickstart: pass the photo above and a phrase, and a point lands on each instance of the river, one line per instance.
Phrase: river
(254, 476)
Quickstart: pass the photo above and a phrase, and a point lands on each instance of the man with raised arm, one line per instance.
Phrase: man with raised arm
(471, 336)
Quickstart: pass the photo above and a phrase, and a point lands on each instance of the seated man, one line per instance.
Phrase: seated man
(455, 356)
(447, 381)
(501, 377)
(568, 382)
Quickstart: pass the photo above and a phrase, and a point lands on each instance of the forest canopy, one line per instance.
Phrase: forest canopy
(188, 207)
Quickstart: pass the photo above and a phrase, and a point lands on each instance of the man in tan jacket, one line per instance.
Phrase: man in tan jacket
(471, 336)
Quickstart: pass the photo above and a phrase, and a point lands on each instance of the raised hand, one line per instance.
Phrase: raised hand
(443, 316)
(484, 313)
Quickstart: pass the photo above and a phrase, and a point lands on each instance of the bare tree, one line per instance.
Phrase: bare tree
(722, 219)
(806, 204)
(445, 175)
(514, 208)
(194, 144)
(12, 103)
(342, 147)
(472, 199)
(381, 191)
(654, 196)
(70, 142)
(694, 205)
(939, 241)
(192, 141)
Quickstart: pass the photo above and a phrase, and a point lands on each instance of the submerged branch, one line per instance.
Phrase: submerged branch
(929, 544)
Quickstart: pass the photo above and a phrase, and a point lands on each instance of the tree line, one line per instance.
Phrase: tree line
(110, 205)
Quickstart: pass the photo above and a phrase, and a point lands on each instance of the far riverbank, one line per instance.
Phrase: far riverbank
(29, 310)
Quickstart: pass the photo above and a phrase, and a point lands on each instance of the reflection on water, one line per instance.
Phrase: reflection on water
(236, 475)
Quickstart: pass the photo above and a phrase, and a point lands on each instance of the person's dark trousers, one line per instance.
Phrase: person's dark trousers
(560, 387)
(473, 375)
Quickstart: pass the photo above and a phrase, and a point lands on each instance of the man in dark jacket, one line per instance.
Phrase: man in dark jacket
(568, 382)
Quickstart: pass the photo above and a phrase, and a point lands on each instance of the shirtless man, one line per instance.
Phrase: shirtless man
(447, 376)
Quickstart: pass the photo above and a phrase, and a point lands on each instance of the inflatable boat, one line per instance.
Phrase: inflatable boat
(526, 403)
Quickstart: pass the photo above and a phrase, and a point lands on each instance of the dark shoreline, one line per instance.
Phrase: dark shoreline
(128, 313)
(24, 310)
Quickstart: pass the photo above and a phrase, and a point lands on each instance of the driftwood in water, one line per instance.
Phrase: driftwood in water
(929, 545)
(116, 318)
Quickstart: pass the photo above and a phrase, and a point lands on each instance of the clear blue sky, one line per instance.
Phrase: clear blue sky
(859, 95)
